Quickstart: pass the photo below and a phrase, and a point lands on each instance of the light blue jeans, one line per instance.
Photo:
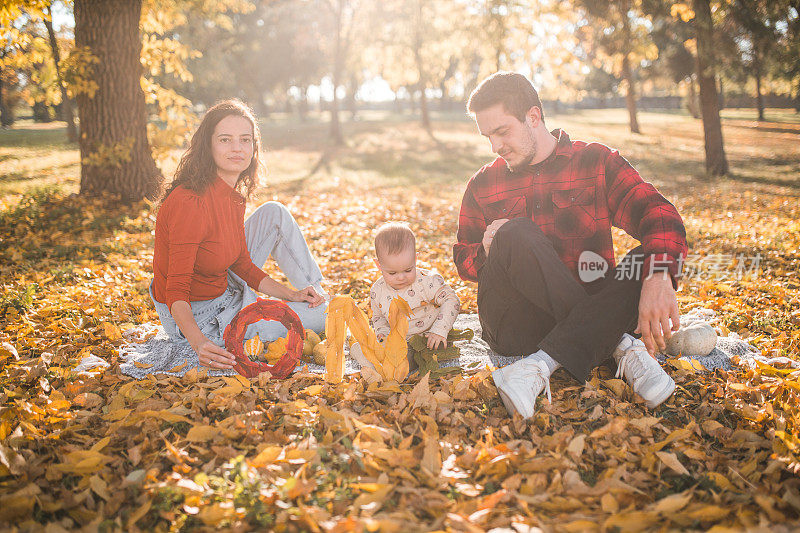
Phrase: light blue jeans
(270, 231)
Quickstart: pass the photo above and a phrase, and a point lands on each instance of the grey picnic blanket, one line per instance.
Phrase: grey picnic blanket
(149, 351)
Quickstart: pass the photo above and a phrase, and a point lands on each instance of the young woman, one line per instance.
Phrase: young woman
(207, 257)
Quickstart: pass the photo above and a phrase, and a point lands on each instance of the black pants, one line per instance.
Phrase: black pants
(528, 300)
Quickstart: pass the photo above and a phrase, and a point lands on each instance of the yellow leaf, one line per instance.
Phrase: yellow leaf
(202, 433)
(678, 434)
(137, 364)
(111, 331)
(576, 445)
(214, 513)
(711, 426)
(99, 445)
(87, 400)
(608, 503)
(672, 461)
(690, 366)
(99, 487)
(179, 367)
(791, 442)
(119, 414)
(431, 456)
(708, 513)
(83, 462)
(243, 381)
(720, 481)
(312, 390)
(632, 521)
(168, 416)
(300, 456)
(420, 395)
(266, 456)
(672, 503)
(616, 385)
(373, 499)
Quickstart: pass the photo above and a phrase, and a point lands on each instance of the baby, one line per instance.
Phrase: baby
(434, 304)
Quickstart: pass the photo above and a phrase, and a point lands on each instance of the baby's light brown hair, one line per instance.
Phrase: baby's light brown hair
(393, 238)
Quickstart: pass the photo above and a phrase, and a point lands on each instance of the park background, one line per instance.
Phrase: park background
(702, 97)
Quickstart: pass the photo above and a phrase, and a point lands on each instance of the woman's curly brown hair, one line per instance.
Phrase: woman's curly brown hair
(197, 169)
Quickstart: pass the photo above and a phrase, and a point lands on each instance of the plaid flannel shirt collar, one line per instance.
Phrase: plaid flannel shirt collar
(563, 152)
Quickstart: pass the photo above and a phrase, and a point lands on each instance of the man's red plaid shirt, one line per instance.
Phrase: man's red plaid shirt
(574, 196)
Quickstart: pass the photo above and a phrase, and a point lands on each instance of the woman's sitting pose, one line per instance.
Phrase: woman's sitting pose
(207, 258)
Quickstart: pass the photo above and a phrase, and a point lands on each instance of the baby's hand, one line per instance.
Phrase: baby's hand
(434, 340)
(381, 336)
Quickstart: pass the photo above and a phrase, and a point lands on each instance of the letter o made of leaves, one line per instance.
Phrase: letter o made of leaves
(264, 309)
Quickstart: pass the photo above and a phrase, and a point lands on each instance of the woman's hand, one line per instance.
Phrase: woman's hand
(272, 288)
(210, 354)
(307, 295)
(213, 356)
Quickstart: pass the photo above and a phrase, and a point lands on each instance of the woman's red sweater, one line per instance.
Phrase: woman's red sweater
(199, 236)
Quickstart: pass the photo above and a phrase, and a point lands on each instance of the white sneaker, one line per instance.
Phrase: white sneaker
(642, 372)
(520, 383)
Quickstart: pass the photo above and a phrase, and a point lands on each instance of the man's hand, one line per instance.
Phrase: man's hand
(657, 308)
(435, 340)
(488, 235)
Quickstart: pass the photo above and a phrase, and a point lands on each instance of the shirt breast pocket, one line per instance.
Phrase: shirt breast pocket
(574, 214)
(508, 208)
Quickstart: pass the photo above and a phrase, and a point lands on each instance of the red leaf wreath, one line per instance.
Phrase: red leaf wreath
(264, 309)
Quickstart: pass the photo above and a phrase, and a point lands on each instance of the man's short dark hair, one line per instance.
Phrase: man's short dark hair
(511, 89)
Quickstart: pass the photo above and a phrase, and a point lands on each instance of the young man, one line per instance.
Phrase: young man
(535, 233)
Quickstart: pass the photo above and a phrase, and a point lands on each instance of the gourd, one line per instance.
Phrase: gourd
(697, 339)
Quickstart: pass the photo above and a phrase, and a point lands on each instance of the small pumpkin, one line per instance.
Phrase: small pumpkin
(253, 347)
(312, 337)
(320, 352)
(308, 349)
(276, 350)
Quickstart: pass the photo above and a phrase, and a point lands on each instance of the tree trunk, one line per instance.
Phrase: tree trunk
(336, 128)
(2, 105)
(797, 98)
(351, 97)
(758, 75)
(423, 99)
(716, 162)
(630, 93)
(6, 113)
(423, 107)
(693, 99)
(627, 71)
(302, 105)
(66, 103)
(115, 153)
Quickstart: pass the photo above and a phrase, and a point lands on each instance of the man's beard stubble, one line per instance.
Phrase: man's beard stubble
(525, 163)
